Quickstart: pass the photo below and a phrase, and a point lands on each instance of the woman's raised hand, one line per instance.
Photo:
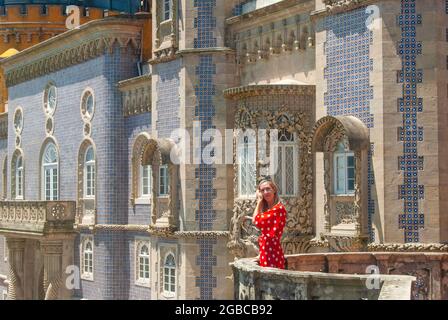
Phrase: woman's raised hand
(259, 196)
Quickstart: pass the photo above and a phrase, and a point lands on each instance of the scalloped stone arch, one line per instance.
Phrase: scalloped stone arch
(140, 144)
(85, 144)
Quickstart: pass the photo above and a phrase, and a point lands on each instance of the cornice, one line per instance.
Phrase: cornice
(91, 40)
(339, 6)
(269, 89)
(123, 85)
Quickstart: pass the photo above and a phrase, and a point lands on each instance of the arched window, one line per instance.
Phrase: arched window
(5, 178)
(286, 176)
(169, 275)
(87, 259)
(246, 166)
(19, 178)
(50, 99)
(50, 173)
(89, 173)
(344, 170)
(143, 264)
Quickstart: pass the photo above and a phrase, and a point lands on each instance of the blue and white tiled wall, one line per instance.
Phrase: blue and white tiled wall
(205, 112)
(412, 219)
(347, 73)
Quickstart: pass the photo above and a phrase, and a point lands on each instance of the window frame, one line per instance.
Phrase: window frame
(169, 294)
(144, 198)
(46, 102)
(282, 146)
(51, 166)
(140, 243)
(89, 164)
(244, 164)
(166, 182)
(165, 11)
(18, 176)
(87, 275)
(344, 157)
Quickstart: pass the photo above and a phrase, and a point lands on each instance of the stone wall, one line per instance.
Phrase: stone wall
(253, 282)
(430, 269)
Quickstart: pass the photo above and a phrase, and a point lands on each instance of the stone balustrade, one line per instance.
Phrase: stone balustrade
(38, 218)
(252, 282)
(136, 95)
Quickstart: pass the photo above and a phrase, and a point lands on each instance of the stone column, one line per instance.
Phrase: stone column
(52, 252)
(16, 248)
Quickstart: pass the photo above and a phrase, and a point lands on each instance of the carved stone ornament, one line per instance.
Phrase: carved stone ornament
(298, 230)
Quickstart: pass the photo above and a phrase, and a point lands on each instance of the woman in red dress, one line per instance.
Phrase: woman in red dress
(270, 217)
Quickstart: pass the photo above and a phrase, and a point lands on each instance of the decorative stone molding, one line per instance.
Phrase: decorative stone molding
(164, 210)
(136, 95)
(99, 37)
(166, 40)
(139, 147)
(16, 249)
(295, 119)
(407, 247)
(4, 125)
(345, 217)
(36, 217)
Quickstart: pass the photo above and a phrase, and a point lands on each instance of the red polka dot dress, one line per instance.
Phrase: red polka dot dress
(271, 224)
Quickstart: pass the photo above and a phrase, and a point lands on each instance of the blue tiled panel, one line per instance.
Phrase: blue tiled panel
(168, 98)
(205, 92)
(206, 260)
(410, 105)
(109, 136)
(347, 51)
(205, 24)
(347, 72)
(135, 125)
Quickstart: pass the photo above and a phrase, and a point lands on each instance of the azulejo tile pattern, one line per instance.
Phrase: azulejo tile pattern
(205, 24)
(347, 72)
(410, 105)
(168, 98)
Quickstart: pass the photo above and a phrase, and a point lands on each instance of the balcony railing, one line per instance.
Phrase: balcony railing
(38, 218)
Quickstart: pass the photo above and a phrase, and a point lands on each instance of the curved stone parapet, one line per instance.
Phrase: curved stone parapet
(252, 282)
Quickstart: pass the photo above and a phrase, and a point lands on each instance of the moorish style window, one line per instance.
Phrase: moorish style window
(247, 167)
(87, 104)
(142, 266)
(87, 259)
(89, 173)
(169, 276)
(344, 170)
(19, 178)
(286, 175)
(50, 173)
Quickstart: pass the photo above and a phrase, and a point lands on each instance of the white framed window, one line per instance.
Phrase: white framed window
(169, 276)
(145, 181)
(50, 175)
(89, 173)
(142, 267)
(87, 104)
(246, 166)
(87, 258)
(50, 99)
(344, 171)
(19, 178)
(166, 10)
(164, 180)
(286, 176)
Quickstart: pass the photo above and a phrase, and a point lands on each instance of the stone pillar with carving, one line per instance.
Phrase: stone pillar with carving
(52, 252)
(16, 248)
